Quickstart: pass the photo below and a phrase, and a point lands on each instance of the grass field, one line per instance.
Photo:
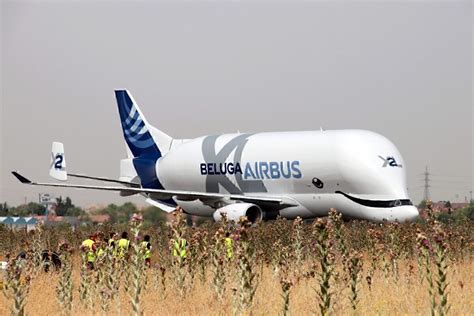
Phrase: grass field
(313, 264)
(405, 297)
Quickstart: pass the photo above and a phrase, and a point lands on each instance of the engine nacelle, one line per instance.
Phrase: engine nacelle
(236, 210)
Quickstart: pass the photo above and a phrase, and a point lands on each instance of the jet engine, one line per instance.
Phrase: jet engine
(236, 210)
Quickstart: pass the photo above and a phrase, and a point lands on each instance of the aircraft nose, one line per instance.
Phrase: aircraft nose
(410, 213)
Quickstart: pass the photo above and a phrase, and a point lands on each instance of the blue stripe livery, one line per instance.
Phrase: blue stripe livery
(135, 131)
(139, 140)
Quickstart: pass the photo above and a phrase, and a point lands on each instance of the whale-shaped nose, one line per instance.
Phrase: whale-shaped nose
(408, 214)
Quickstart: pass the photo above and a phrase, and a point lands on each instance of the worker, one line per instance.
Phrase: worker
(179, 248)
(89, 247)
(101, 247)
(146, 248)
(113, 239)
(112, 243)
(123, 246)
(229, 245)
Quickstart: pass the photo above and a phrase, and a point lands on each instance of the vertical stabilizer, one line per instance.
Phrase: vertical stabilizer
(145, 144)
(57, 168)
(143, 140)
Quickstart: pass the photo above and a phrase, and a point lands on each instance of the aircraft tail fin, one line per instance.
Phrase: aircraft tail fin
(57, 168)
(143, 140)
(145, 143)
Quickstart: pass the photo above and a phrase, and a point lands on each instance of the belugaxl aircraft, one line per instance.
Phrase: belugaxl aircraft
(258, 175)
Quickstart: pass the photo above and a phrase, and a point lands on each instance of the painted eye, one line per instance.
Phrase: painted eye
(318, 183)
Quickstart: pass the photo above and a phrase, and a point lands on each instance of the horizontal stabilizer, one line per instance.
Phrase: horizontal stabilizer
(21, 178)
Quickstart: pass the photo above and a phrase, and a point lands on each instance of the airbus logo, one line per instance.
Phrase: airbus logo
(256, 170)
(390, 161)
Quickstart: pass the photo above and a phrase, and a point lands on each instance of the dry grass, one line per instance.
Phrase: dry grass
(404, 297)
(269, 257)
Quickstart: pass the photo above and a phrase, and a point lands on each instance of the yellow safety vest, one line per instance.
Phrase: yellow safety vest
(179, 248)
(100, 252)
(89, 243)
(147, 252)
(229, 246)
(123, 245)
(113, 244)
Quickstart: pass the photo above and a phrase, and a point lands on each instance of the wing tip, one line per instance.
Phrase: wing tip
(21, 178)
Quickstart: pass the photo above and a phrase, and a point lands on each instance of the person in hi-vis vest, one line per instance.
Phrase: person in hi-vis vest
(146, 250)
(89, 247)
(122, 246)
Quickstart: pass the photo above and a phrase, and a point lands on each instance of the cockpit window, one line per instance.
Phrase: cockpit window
(317, 183)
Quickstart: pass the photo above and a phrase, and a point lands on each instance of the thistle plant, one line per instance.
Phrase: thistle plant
(137, 266)
(218, 261)
(354, 269)
(192, 258)
(338, 238)
(297, 238)
(85, 286)
(276, 258)
(125, 267)
(37, 248)
(326, 258)
(103, 293)
(437, 284)
(426, 250)
(17, 284)
(376, 251)
(420, 259)
(288, 276)
(441, 268)
(178, 247)
(203, 254)
(336, 220)
(108, 279)
(246, 272)
(280, 232)
(113, 279)
(65, 287)
(159, 274)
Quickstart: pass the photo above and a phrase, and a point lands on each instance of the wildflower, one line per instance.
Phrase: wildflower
(136, 218)
(423, 242)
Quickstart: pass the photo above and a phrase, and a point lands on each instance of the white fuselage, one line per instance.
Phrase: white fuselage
(360, 173)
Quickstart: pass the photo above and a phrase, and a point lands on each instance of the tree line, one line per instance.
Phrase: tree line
(118, 214)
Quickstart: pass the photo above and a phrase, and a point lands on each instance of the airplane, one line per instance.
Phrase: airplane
(258, 175)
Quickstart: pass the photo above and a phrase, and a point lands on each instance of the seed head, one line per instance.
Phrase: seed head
(136, 218)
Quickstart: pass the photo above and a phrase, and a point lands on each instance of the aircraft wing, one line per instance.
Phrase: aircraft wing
(83, 176)
(166, 194)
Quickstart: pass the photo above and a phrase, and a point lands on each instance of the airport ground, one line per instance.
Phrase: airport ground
(391, 265)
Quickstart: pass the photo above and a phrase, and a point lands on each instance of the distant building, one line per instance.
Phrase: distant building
(54, 220)
(457, 206)
(15, 222)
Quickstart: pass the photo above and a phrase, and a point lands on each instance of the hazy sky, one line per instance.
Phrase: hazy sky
(402, 69)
